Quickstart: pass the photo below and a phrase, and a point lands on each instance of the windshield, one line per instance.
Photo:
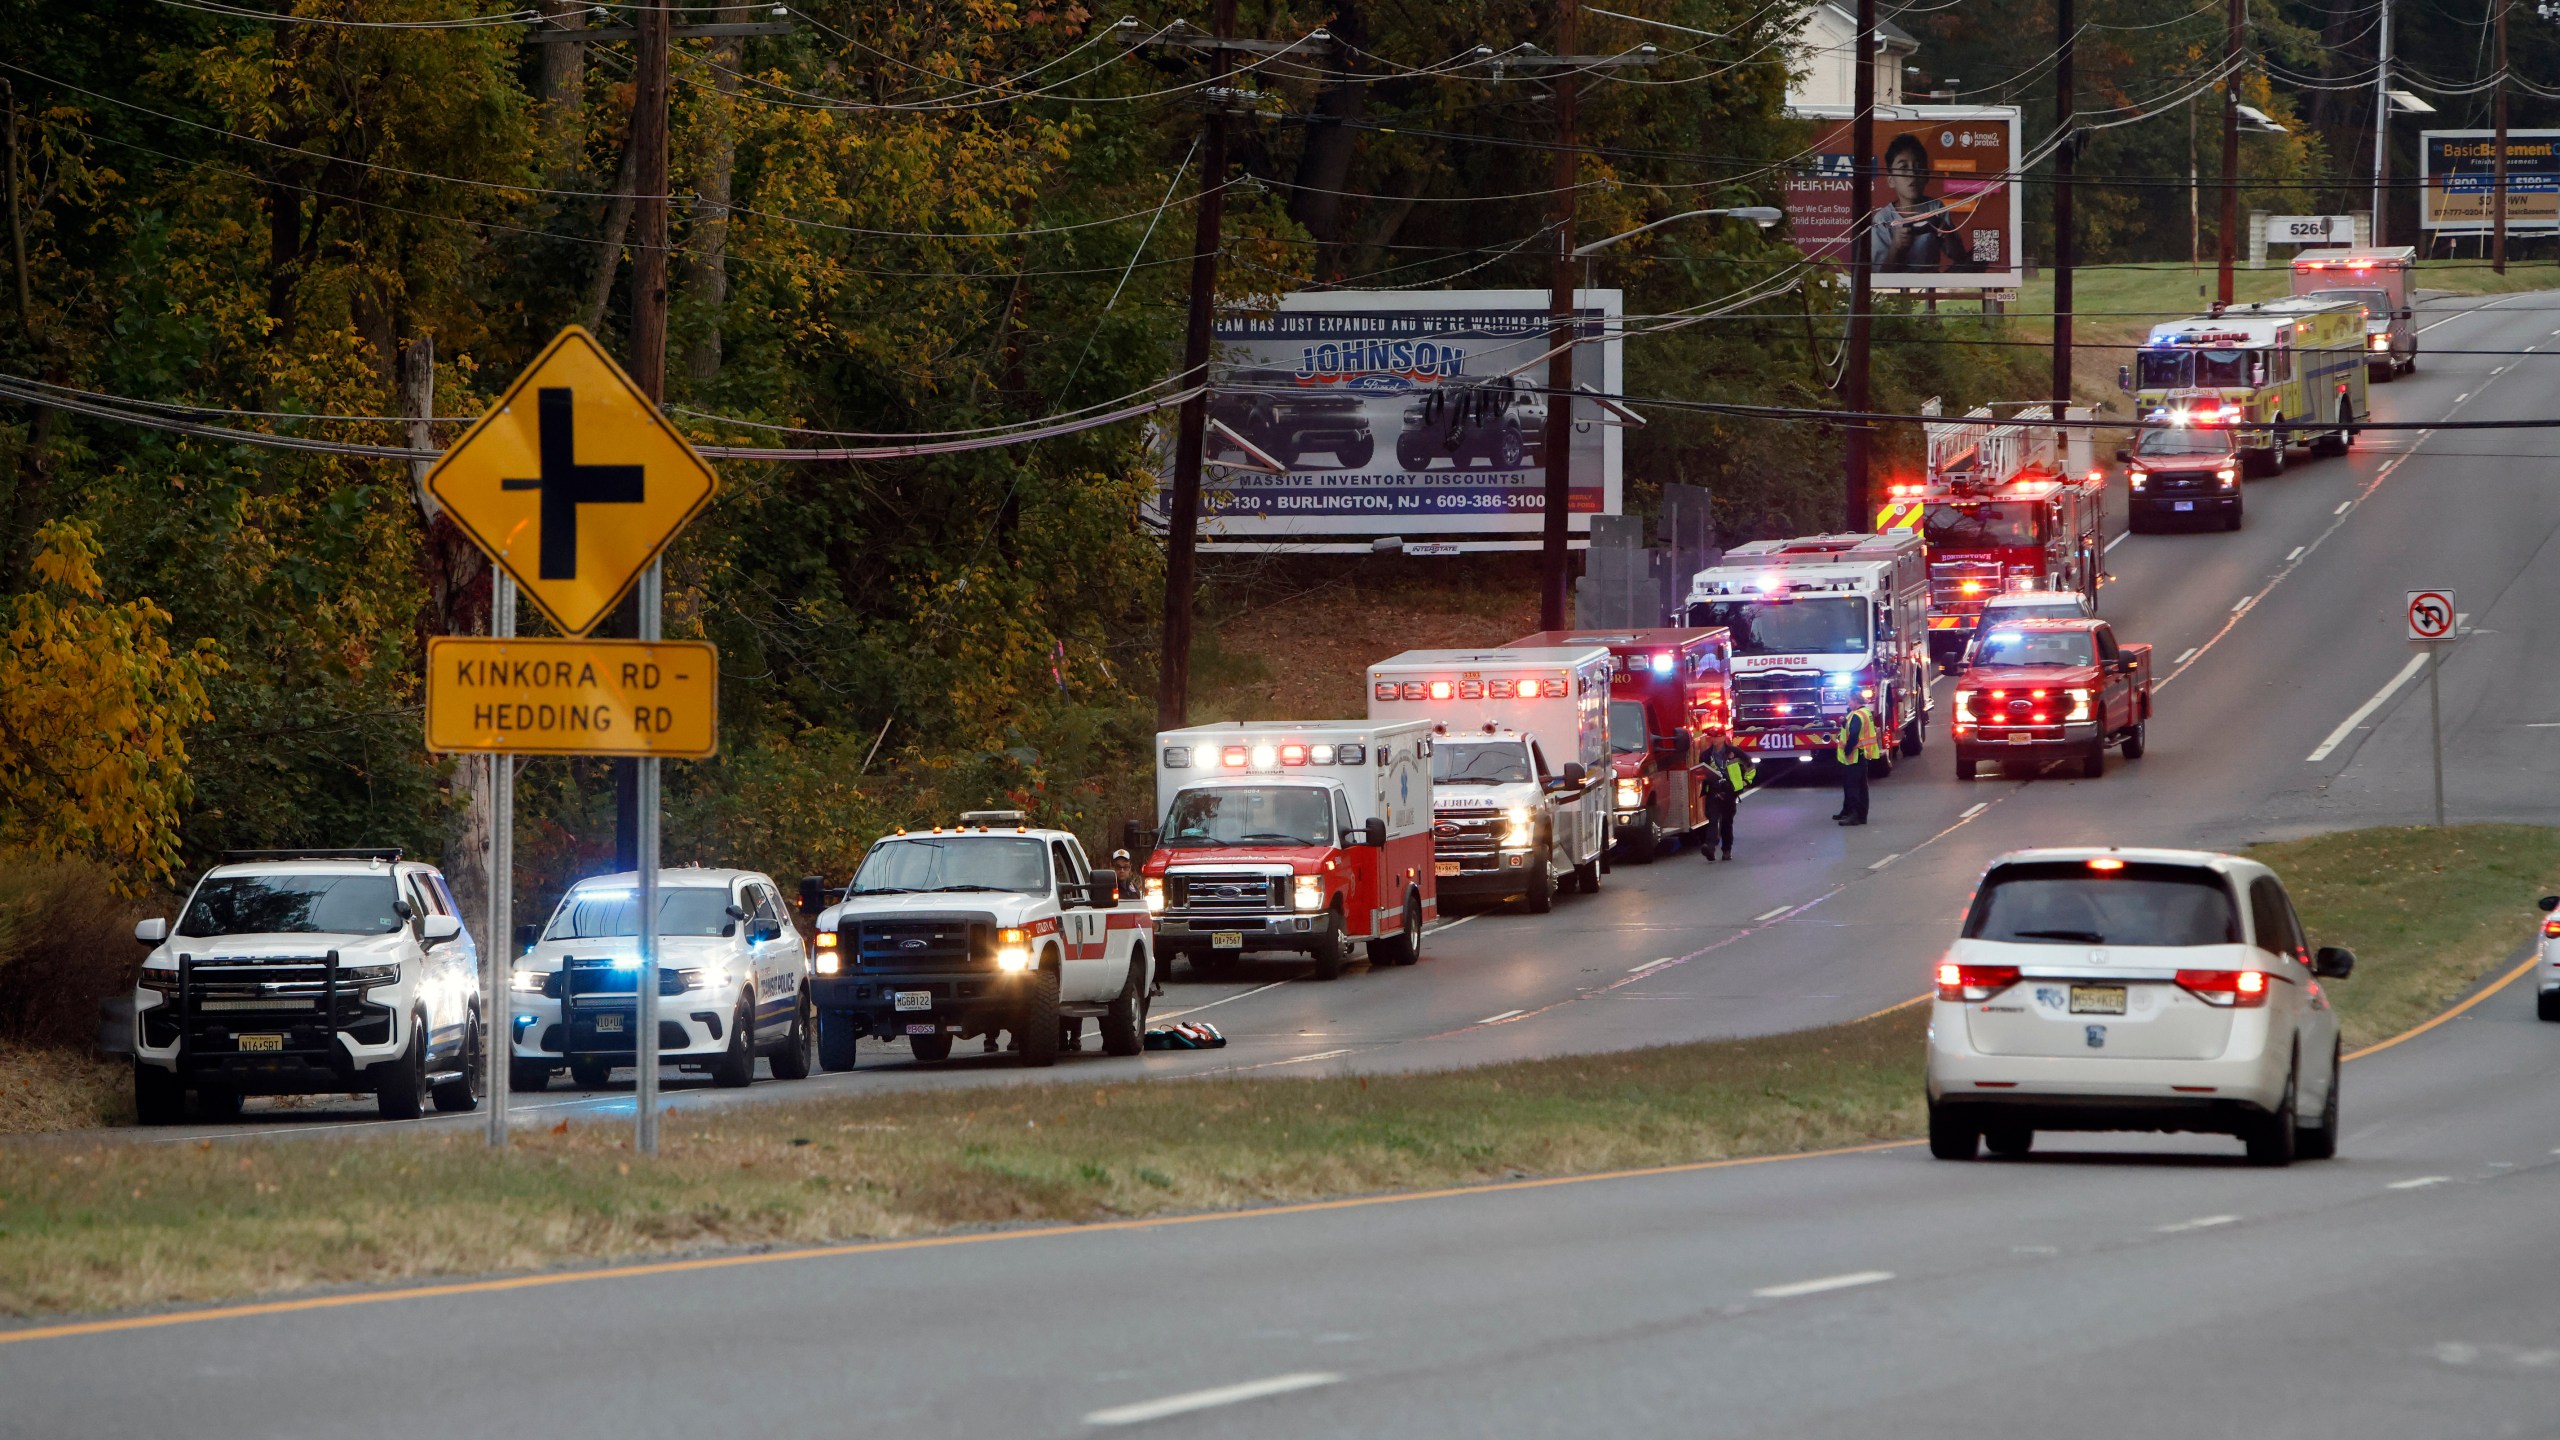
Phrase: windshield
(2377, 305)
(1250, 815)
(293, 905)
(2182, 440)
(1626, 727)
(2035, 647)
(1823, 625)
(602, 912)
(1983, 524)
(2222, 367)
(2161, 369)
(2040, 610)
(1491, 762)
(922, 864)
(2066, 902)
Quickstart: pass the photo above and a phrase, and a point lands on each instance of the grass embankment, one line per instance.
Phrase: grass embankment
(42, 1090)
(117, 1226)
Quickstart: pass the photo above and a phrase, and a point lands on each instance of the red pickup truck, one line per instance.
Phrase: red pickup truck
(2037, 691)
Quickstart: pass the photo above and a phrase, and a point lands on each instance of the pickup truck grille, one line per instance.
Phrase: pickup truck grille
(2182, 482)
(913, 943)
(1210, 893)
(1474, 832)
(1777, 700)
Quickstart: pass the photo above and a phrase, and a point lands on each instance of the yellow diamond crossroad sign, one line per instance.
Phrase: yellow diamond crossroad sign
(573, 481)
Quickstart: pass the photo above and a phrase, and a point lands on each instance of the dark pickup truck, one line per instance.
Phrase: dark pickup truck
(2037, 691)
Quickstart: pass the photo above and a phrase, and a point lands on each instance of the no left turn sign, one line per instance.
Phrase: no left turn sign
(2430, 614)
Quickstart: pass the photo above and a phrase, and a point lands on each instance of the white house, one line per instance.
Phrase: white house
(1826, 47)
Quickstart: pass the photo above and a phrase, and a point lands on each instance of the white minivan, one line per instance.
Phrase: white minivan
(2112, 989)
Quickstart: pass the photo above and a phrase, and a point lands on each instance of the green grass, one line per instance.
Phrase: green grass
(110, 1226)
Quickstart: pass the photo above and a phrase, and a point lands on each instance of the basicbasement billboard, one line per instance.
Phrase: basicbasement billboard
(2457, 180)
(1399, 413)
(1943, 201)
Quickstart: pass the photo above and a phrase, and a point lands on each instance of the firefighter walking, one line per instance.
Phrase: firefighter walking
(1729, 773)
(1857, 744)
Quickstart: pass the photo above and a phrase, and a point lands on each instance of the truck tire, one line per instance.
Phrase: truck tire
(160, 1098)
(1915, 735)
(2133, 742)
(798, 1054)
(1124, 1026)
(1412, 453)
(2277, 453)
(590, 1074)
(455, 1097)
(1586, 876)
(2340, 440)
(1035, 1030)
(400, 1086)
(1645, 843)
(1966, 766)
(528, 1077)
(2094, 764)
(932, 1049)
(1356, 456)
(736, 1067)
(838, 1042)
(1405, 946)
(2238, 508)
(1507, 451)
(1328, 947)
(1542, 887)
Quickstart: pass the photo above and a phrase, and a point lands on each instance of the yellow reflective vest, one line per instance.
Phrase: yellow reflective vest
(1858, 737)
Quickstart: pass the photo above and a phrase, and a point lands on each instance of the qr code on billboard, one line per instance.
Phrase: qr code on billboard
(1986, 245)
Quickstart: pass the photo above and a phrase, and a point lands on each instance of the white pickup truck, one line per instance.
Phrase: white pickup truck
(990, 926)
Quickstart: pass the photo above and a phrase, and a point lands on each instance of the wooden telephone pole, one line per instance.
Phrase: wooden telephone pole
(1856, 514)
(1562, 324)
(2230, 147)
(1182, 517)
(2498, 180)
(2064, 160)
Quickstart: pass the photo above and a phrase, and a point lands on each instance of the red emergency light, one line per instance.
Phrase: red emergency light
(1233, 757)
(1442, 690)
(1293, 754)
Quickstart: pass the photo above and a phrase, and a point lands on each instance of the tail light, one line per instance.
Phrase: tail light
(2231, 989)
(2551, 928)
(1974, 982)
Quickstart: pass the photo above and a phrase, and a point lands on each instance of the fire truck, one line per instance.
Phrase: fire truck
(1819, 624)
(1670, 692)
(2005, 508)
(2285, 372)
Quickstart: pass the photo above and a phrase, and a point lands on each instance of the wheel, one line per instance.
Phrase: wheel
(1036, 1028)
(1413, 454)
(1542, 888)
(590, 1074)
(1124, 1027)
(1507, 449)
(1405, 946)
(1586, 877)
(1915, 735)
(2133, 743)
(2277, 452)
(2271, 1140)
(528, 1077)
(1357, 456)
(400, 1086)
(1951, 1138)
(2008, 1141)
(2238, 508)
(799, 1052)
(1645, 843)
(1327, 949)
(160, 1098)
(1965, 768)
(219, 1104)
(2321, 1142)
(2094, 764)
(1880, 767)
(736, 1067)
(2546, 1006)
(837, 1039)
(935, 1048)
(454, 1097)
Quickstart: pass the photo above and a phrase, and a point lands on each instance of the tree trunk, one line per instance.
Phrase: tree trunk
(617, 226)
(457, 577)
(1324, 166)
(706, 271)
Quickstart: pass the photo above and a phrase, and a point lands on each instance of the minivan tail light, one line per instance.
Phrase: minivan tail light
(2242, 989)
(2551, 928)
(1974, 982)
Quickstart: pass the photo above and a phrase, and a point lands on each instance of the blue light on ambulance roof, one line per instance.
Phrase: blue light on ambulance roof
(1662, 662)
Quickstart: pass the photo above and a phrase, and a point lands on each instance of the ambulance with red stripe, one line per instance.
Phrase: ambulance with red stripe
(1670, 695)
(991, 926)
(1302, 836)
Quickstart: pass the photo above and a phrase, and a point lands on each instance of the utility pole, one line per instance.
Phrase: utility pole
(649, 372)
(2230, 146)
(1562, 325)
(2064, 159)
(2498, 206)
(1856, 442)
(1182, 520)
(2382, 125)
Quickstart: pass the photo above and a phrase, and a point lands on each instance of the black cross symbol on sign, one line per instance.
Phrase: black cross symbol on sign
(566, 484)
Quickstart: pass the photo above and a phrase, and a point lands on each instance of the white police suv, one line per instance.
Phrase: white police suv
(733, 981)
(2134, 990)
(293, 972)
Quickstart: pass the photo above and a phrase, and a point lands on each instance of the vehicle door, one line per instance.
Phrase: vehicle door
(2115, 684)
(461, 954)
(2308, 1013)
(1080, 926)
(438, 994)
(1364, 867)
(1560, 818)
(774, 953)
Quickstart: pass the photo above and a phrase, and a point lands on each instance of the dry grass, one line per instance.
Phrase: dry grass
(1303, 653)
(44, 1090)
(119, 1226)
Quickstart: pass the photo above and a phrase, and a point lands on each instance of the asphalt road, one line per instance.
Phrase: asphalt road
(2265, 641)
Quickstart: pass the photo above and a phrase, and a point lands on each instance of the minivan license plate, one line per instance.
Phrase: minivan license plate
(2182, 504)
(2097, 999)
(261, 1042)
(914, 1000)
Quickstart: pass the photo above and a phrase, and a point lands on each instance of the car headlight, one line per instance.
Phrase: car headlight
(527, 982)
(1308, 893)
(830, 962)
(1013, 949)
(704, 977)
(164, 982)
(369, 975)
(1630, 794)
(2138, 478)
(2079, 705)
(1519, 829)
(2378, 342)
(1155, 895)
(2226, 476)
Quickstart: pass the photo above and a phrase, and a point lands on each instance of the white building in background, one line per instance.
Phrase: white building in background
(1826, 47)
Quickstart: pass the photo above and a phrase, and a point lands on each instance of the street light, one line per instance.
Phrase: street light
(1763, 216)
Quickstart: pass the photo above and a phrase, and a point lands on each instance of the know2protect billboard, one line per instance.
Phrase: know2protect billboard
(1398, 414)
(1943, 201)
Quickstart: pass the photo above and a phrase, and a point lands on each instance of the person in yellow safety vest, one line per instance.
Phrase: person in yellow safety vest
(1729, 773)
(1855, 745)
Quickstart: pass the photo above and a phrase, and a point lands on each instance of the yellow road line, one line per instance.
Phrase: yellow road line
(1921, 999)
(880, 1247)
(2414, 1031)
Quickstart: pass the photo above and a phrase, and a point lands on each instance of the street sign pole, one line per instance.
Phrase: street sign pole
(645, 1135)
(499, 988)
(2435, 723)
(2434, 623)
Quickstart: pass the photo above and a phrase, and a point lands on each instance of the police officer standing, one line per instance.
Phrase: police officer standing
(1729, 773)
(1856, 746)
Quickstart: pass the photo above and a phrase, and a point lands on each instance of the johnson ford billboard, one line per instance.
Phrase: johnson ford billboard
(1396, 413)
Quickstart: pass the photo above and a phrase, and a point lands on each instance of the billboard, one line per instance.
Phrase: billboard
(1943, 203)
(2456, 174)
(1397, 413)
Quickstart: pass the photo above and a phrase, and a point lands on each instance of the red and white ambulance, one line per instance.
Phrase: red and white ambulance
(1670, 693)
(1306, 836)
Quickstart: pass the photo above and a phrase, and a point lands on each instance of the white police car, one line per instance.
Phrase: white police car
(733, 981)
(2546, 1000)
(295, 972)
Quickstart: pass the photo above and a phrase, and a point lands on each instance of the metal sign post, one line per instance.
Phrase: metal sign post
(498, 989)
(2432, 623)
(2435, 723)
(645, 1044)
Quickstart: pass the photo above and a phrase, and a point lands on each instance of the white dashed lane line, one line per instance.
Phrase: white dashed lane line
(2206, 1222)
(1827, 1282)
(2419, 1183)
(1193, 1400)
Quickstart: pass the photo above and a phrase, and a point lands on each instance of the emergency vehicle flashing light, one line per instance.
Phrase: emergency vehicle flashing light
(1264, 757)
(1662, 662)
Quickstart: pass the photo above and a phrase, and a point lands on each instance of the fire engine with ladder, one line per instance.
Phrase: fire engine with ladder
(2009, 504)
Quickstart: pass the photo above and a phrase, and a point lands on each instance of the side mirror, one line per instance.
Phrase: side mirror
(813, 894)
(2547, 904)
(2124, 378)
(1374, 833)
(155, 930)
(439, 928)
(734, 912)
(1573, 772)
(526, 936)
(2408, 314)
(2124, 455)
(1101, 889)
(404, 910)
(2333, 962)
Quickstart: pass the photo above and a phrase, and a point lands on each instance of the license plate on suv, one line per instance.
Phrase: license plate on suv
(912, 1000)
(608, 1024)
(2182, 504)
(2097, 999)
(260, 1042)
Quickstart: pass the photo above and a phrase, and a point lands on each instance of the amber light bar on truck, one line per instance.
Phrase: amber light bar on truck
(1472, 689)
(1263, 755)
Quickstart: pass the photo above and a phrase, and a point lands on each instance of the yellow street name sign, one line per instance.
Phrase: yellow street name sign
(573, 697)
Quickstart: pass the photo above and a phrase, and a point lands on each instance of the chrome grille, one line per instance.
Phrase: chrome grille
(918, 943)
(1469, 834)
(1212, 892)
(1757, 699)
